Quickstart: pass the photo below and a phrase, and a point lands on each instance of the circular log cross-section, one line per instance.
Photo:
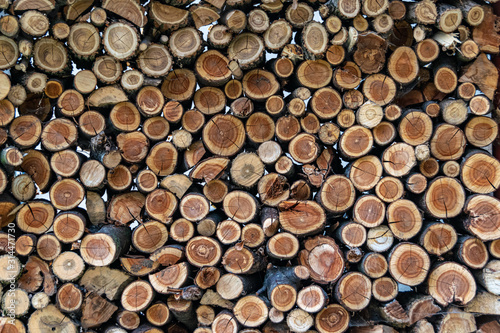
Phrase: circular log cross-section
(259, 84)
(337, 194)
(160, 204)
(332, 319)
(389, 189)
(158, 314)
(303, 148)
(438, 238)
(179, 85)
(49, 55)
(247, 49)
(448, 142)
(107, 69)
(324, 260)
(415, 128)
(71, 103)
(194, 207)
(326, 103)
(473, 252)
(149, 236)
(251, 311)
(120, 40)
(213, 68)
(403, 65)
(69, 226)
(209, 100)
(352, 234)
(162, 158)
(374, 265)
(203, 251)
(399, 159)
(408, 264)
(137, 296)
(380, 89)
(480, 173)
(156, 128)
(10, 52)
(365, 172)
(404, 219)
(312, 299)
(240, 206)
(35, 217)
(384, 289)
(356, 142)
(444, 198)
(25, 131)
(224, 322)
(50, 319)
(125, 117)
(69, 298)
(66, 194)
(353, 291)
(48, 247)
(59, 134)
(277, 35)
(481, 131)
(104, 247)
(450, 282)
(483, 220)
(84, 40)
(155, 61)
(224, 135)
(68, 266)
(283, 246)
(369, 211)
(314, 74)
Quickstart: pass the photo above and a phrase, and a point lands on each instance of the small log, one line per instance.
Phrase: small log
(307, 73)
(158, 314)
(68, 266)
(137, 296)
(251, 311)
(353, 291)
(438, 238)
(379, 239)
(351, 234)
(463, 289)
(384, 289)
(449, 17)
(114, 240)
(374, 265)
(408, 264)
(69, 298)
(48, 247)
(356, 142)
(299, 320)
(472, 252)
(318, 255)
(398, 159)
(197, 249)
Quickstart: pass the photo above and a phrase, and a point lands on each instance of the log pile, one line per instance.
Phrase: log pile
(239, 166)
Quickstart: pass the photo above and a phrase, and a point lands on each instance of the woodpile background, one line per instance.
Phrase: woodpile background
(242, 166)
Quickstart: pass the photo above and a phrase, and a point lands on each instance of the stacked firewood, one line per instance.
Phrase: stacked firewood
(239, 166)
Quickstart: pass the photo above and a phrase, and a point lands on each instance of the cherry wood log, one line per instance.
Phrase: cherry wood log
(409, 264)
(461, 291)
